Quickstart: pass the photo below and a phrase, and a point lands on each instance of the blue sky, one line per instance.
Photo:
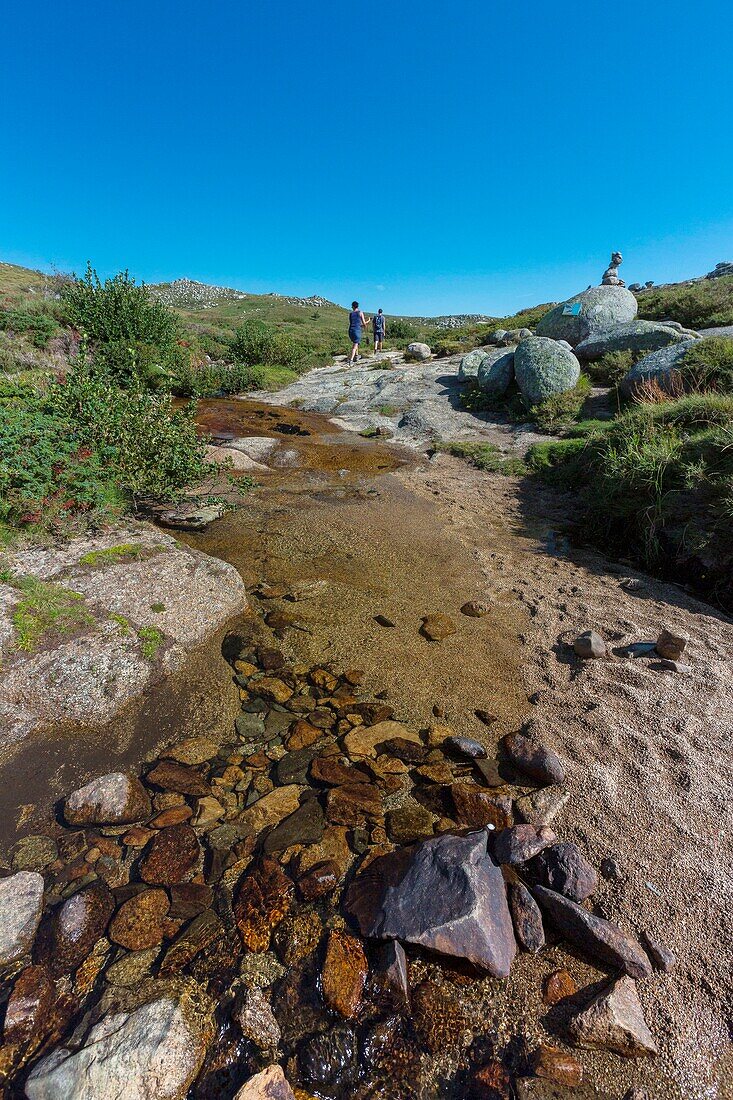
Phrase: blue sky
(474, 157)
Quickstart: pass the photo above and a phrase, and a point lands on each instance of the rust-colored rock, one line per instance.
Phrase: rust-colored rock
(270, 687)
(476, 808)
(438, 626)
(178, 778)
(141, 921)
(558, 1066)
(491, 1082)
(334, 773)
(302, 735)
(559, 985)
(439, 1019)
(344, 973)
(353, 803)
(29, 1006)
(319, 880)
(77, 925)
(264, 896)
(171, 856)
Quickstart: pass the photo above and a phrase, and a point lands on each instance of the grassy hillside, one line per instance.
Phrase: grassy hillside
(703, 303)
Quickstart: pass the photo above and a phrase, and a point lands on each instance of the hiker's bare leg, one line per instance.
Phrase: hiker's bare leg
(354, 353)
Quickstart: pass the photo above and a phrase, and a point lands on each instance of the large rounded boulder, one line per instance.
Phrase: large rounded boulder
(635, 336)
(661, 368)
(543, 369)
(596, 309)
(417, 352)
(469, 365)
(496, 373)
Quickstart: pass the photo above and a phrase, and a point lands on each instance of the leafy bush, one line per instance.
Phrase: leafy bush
(38, 324)
(218, 379)
(708, 365)
(256, 343)
(132, 335)
(611, 367)
(401, 332)
(561, 409)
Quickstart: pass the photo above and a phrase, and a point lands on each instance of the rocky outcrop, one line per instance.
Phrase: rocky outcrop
(446, 894)
(635, 336)
(661, 368)
(596, 309)
(544, 369)
(496, 373)
(151, 1053)
(139, 602)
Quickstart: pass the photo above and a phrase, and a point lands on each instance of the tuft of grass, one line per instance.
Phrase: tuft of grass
(389, 410)
(611, 367)
(708, 366)
(127, 551)
(122, 623)
(151, 639)
(46, 611)
(562, 409)
(157, 608)
(484, 456)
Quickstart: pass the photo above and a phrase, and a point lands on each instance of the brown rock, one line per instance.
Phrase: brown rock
(526, 917)
(535, 759)
(475, 609)
(137, 837)
(436, 627)
(192, 750)
(476, 808)
(344, 973)
(253, 1012)
(491, 1082)
(354, 676)
(521, 842)
(171, 856)
(114, 799)
(614, 1020)
(270, 687)
(178, 778)
(29, 1007)
(439, 1019)
(321, 879)
(594, 935)
(195, 938)
(269, 1084)
(558, 1066)
(77, 925)
(409, 823)
(541, 807)
(392, 973)
(662, 958)
(302, 735)
(559, 985)
(333, 845)
(590, 644)
(141, 921)
(298, 936)
(332, 771)
(270, 809)
(353, 803)
(440, 773)
(404, 749)
(264, 896)
(363, 740)
(188, 899)
(671, 645)
(374, 713)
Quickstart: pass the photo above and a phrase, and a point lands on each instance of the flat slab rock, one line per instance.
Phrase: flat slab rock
(151, 1053)
(89, 677)
(594, 935)
(446, 894)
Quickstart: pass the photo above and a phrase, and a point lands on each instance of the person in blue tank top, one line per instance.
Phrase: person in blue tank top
(357, 321)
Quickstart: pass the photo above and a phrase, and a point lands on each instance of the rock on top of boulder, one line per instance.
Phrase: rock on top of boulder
(113, 799)
(543, 368)
(597, 308)
(446, 894)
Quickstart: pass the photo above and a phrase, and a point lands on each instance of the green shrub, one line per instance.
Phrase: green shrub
(132, 335)
(218, 379)
(256, 343)
(443, 349)
(401, 332)
(611, 367)
(38, 324)
(561, 409)
(708, 365)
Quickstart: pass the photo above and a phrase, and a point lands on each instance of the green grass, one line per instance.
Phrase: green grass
(122, 623)
(158, 608)
(704, 304)
(151, 639)
(45, 612)
(127, 551)
(484, 456)
(708, 366)
(389, 410)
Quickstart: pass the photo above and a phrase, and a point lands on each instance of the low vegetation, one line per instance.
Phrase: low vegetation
(45, 612)
(484, 456)
(706, 303)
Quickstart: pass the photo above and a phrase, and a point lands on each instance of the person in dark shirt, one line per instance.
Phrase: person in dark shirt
(380, 331)
(357, 321)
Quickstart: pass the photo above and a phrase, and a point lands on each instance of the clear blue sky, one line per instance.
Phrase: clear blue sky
(425, 157)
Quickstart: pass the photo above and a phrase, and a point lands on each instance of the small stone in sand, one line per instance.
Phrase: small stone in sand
(436, 627)
(590, 644)
(671, 645)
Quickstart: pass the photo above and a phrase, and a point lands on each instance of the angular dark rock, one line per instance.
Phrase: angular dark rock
(465, 747)
(526, 917)
(352, 803)
(293, 768)
(446, 894)
(536, 760)
(594, 935)
(304, 826)
(590, 644)
(334, 773)
(409, 751)
(522, 842)
(329, 1061)
(614, 1020)
(171, 856)
(29, 1006)
(77, 925)
(662, 958)
(564, 868)
(178, 778)
(188, 899)
(392, 973)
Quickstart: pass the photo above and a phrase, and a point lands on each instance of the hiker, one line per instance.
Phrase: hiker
(357, 321)
(380, 330)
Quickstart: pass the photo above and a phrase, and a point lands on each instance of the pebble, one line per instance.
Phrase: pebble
(192, 750)
(439, 1019)
(436, 627)
(350, 804)
(559, 985)
(171, 856)
(253, 1012)
(558, 1066)
(195, 938)
(334, 772)
(392, 973)
(594, 935)
(142, 921)
(564, 868)
(304, 826)
(662, 958)
(344, 973)
(77, 925)
(476, 808)
(263, 898)
(113, 799)
(541, 807)
(534, 758)
(671, 645)
(590, 644)
(321, 879)
(33, 853)
(382, 620)
(526, 917)
(475, 609)
(179, 778)
(466, 747)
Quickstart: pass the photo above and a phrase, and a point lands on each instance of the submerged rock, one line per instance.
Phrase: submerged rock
(594, 935)
(151, 1053)
(614, 1020)
(263, 898)
(268, 1084)
(256, 1019)
(558, 1066)
(114, 799)
(77, 925)
(344, 973)
(171, 856)
(21, 904)
(29, 1006)
(446, 894)
(141, 921)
